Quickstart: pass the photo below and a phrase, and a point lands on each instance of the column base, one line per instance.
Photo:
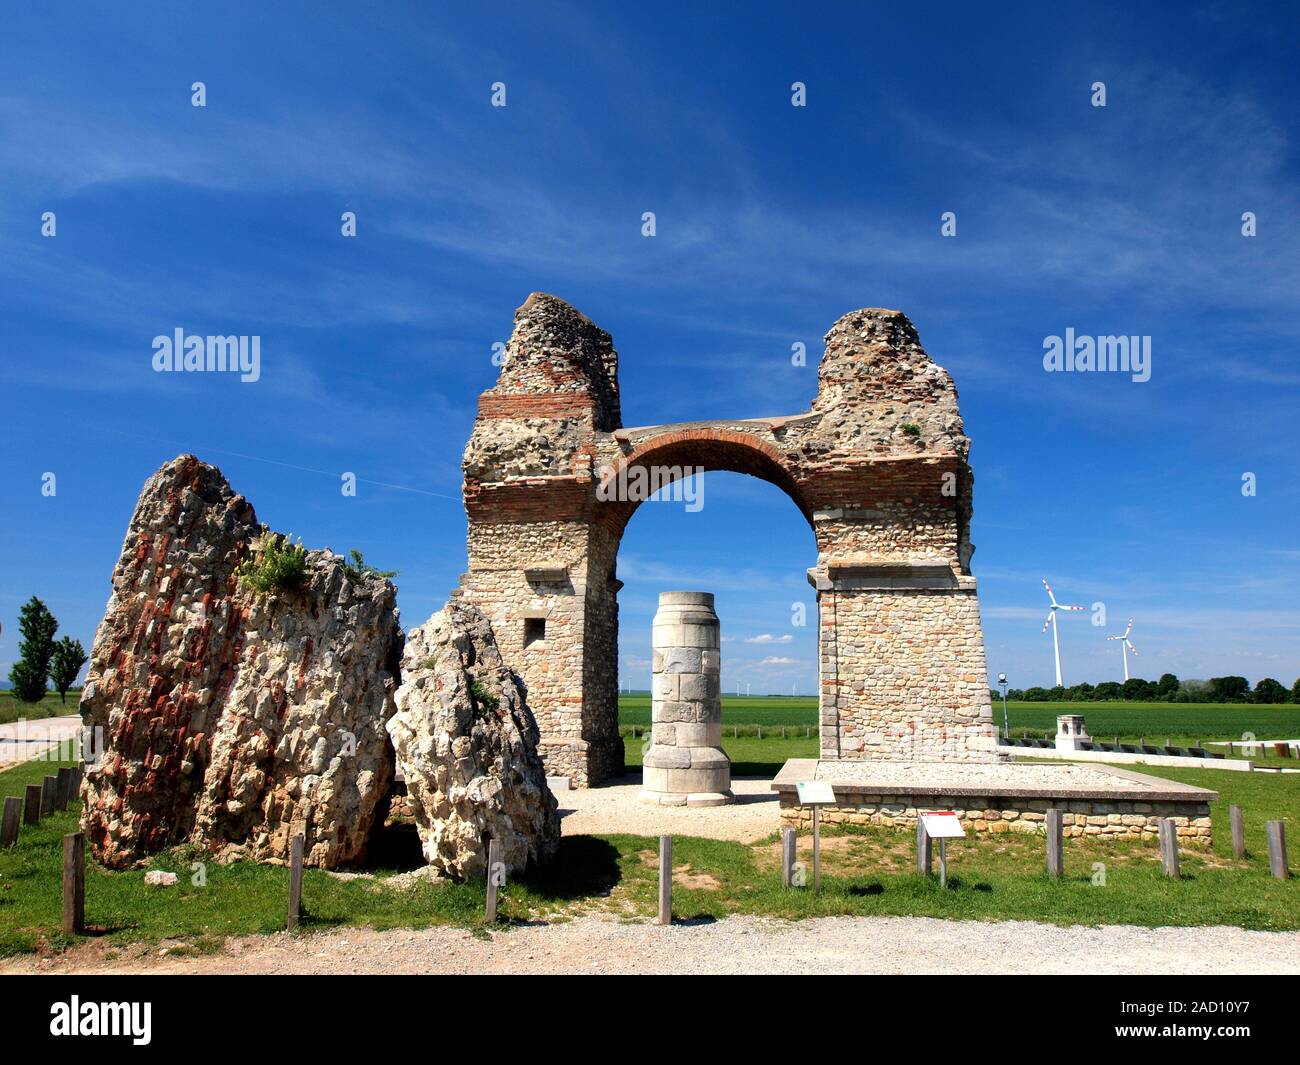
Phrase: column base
(696, 798)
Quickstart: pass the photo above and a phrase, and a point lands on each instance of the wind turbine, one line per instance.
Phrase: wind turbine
(1126, 646)
(1051, 620)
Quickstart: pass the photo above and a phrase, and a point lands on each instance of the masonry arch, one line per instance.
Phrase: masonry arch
(877, 466)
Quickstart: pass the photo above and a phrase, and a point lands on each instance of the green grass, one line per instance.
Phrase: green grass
(11, 709)
(1182, 724)
(865, 871)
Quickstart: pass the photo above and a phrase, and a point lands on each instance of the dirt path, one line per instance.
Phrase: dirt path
(734, 945)
(615, 807)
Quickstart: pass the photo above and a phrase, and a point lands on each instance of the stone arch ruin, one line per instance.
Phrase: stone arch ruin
(878, 466)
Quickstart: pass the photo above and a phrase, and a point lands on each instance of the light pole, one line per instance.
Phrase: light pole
(1006, 727)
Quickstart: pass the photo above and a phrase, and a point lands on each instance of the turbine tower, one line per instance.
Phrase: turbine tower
(1126, 646)
(1051, 620)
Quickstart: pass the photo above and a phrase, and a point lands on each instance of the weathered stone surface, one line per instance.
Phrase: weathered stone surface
(466, 746)
(231, 720)
(686, 756)
(878, 465)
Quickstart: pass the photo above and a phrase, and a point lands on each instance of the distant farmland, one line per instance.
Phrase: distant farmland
(1188, 721)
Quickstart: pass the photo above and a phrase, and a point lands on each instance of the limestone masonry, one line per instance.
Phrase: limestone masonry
(878, 466)
(686, 765)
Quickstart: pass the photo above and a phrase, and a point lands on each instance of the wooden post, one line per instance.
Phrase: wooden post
(48, 787)
(493, 860)
(1238, 832)
(787, 855)
(924, 849)
(295, 880)
(74, 883)
(665, 879)
(817, 848)
(1055, 841)
(32, 805)
(62, 788)
(9, 822)
(1168, 833)
(1277, 849)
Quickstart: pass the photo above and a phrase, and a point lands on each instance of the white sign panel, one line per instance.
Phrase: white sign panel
(942, 824)
(815, 793)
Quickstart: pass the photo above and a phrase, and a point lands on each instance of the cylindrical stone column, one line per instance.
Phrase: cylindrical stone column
(685, 765)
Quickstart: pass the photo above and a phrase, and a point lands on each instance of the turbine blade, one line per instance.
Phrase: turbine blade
(1062, 606)
(1046, 623)
(1129, 629)
(1131, 647)
(1049, 591)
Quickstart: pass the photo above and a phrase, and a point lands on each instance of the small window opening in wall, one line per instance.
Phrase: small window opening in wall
(534, 631)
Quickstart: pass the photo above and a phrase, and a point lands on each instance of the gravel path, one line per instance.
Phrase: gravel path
(735, 945)
(614, 808)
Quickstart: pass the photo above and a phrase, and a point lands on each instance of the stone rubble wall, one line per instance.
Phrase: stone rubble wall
(233, 721)
(994, 815)
(878, 465)
(467, 747)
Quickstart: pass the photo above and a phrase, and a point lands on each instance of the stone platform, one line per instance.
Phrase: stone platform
(1098, 802)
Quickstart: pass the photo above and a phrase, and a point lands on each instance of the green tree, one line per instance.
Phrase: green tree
(1107, 690)
(1229, 689)
(1295, 691)
(69, 657)
(1167, 685)
(1267, 690)
(35, 650)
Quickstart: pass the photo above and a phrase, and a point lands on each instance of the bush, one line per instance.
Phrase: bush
(357, 568)
(277, 566)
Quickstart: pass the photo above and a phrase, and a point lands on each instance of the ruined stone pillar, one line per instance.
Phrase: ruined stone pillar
(686, 765)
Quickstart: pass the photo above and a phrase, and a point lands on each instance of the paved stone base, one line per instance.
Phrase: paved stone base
(1097, 803)
(695, 798)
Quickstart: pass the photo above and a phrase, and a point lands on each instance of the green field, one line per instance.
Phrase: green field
(865, 871)
(1188, 721)
(12, 709)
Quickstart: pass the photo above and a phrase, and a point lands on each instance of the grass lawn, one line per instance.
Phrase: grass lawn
(12, 709)
(864, 871)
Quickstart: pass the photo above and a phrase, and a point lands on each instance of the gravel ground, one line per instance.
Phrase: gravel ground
(615, 808)
(735, 945)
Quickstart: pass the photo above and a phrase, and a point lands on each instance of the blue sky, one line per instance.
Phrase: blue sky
(772, 222)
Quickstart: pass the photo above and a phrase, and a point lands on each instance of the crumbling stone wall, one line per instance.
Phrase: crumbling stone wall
(878, 466)
(231, 720)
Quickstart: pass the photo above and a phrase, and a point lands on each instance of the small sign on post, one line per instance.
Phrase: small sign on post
(943, 825)
(816, 793)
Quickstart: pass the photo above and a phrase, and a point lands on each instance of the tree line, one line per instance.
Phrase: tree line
(1168, 689)
(42, 659)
